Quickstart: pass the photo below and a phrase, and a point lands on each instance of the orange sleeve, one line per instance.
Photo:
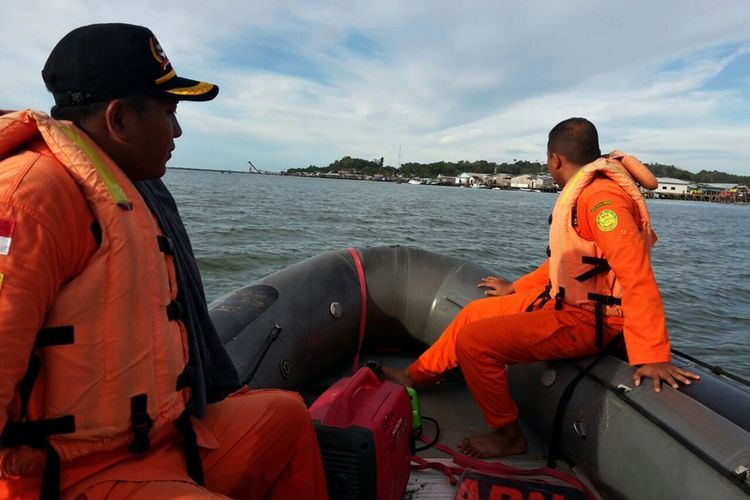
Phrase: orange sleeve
(46, 240)
(536, 279)
(608, 216)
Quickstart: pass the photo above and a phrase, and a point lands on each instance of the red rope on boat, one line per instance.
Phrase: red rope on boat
(363, 308)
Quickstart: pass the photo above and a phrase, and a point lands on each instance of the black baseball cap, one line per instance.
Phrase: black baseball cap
(100, 62)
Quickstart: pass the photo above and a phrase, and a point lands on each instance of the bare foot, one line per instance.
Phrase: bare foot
(501, 442)
(398, 375)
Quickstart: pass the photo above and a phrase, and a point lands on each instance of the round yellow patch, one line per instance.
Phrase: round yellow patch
(606, 220)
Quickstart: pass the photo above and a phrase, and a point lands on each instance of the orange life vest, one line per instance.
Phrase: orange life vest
(105, 367)
(579, 273)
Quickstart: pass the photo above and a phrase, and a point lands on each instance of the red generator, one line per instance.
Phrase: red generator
(363, 426)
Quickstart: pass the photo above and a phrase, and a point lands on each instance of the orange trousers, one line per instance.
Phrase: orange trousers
(490, 333)
(254, 444)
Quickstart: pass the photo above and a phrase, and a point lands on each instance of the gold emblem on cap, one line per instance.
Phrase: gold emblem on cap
(158, 53)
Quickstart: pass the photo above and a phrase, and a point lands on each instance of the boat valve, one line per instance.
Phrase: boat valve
(580, 427)
(548, 377)
(336, 310)
(742, 472)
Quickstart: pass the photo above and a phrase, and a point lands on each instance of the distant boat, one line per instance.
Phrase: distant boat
(415, 181)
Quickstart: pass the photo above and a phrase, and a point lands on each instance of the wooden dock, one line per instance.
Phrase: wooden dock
(724, 197)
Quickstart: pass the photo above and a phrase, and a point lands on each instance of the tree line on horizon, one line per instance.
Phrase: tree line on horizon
(518, 167)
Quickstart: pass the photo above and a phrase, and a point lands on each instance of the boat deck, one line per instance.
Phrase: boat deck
(451, 405)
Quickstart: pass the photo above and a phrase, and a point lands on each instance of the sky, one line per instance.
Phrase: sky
(306, 83)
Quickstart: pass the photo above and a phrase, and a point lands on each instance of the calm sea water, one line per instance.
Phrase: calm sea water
(244, 227)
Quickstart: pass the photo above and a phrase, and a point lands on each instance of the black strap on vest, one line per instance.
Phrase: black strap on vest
(57, 335)
(50, 489)
(36, 433)
(165, 244)
(600, 301)
(26, 384)
(174, 310)
(599, 324)
(140, 423)
(190, 447)
(605, 300)
(600, 266)
(567, 394)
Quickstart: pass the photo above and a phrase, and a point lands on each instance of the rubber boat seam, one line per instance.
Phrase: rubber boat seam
(713, 463)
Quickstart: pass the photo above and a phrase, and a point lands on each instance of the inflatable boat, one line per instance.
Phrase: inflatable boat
(301, 328)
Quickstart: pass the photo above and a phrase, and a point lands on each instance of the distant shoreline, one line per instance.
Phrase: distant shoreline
(712, 198)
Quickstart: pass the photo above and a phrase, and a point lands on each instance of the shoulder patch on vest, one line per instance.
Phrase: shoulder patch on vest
(606, 221)
(6, 235)
(599, 205)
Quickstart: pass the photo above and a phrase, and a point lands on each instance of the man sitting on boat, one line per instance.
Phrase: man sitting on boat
(113, 381)
(597, 283)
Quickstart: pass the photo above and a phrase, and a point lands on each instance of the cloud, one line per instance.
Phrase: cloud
(309, 83)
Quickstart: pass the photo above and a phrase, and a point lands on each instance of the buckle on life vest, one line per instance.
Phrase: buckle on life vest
(542, 298)
(559, 298)
(174, 310)
(165, 244)
(185, 379)
(141, 424)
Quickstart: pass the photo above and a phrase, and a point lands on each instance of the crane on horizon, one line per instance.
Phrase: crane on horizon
(253, 169)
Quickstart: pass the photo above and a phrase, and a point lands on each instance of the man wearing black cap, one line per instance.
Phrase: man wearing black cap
(114, 380)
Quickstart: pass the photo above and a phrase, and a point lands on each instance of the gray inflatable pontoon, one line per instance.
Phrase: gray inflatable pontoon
(299, 328)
